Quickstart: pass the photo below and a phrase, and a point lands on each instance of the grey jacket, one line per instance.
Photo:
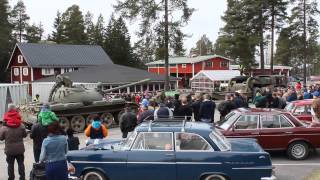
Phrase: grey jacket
(13, 138)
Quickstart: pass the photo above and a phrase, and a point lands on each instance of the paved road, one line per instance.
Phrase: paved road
(285, 169)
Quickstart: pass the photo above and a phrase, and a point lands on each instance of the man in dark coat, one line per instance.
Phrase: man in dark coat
(196, 107)
(128, 121)
(207, 108)
(14, 148)
(184, 110)
(38, 134)
(226, 107)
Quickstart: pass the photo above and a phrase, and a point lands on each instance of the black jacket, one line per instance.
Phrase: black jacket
(38, 134)
(182, 111)
(73, 143)
(207, 109)
(146, 115)
(196, 109)
(226, 107)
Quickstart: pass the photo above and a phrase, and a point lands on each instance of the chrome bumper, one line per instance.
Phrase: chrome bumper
(269, 178)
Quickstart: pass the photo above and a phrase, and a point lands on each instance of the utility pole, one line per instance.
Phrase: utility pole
(305, 44)
(166, 43)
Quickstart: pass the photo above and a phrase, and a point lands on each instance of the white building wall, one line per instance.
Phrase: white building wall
(19, 95)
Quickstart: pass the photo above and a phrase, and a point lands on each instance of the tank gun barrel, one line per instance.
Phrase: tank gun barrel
(126, 85)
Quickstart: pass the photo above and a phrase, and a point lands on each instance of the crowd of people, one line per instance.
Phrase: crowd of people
(51, 143)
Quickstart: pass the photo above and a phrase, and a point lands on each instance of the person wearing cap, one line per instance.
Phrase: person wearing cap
(46, 116)
(96, 130)
(12, 117)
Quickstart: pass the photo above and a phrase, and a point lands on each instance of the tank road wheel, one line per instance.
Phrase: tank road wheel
(90, 118)
(64, 122)
(78, 123)
(107, 119)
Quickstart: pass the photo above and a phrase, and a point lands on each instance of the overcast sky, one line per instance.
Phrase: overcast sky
(206, 20)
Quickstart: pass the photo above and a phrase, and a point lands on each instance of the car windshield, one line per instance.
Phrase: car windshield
(229, 120)
(220, 140)
(126, 144)
(289, 107)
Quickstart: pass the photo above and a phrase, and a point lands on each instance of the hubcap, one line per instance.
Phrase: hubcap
(298, 150)
(215, 177)
(78, 123)
(93, 176)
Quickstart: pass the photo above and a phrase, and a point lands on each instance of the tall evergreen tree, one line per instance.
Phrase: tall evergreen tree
(149, 12)
(99, 31)
(117, 42)
(5, 39)
(58, 33)
(34, 33)
(19, 20)
(89, 27)
(237, 40)
(203, 47)
(304, 24)
(73, 26)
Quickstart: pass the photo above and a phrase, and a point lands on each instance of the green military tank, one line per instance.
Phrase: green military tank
(75, 106)
(249, 86)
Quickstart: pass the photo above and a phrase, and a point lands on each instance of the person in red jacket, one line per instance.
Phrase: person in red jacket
(12, 118)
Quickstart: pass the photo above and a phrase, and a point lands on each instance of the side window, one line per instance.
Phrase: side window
(191, 142)
(155, 141)
(247, 122)
(271, 121)
(285, 123)
(300, 110)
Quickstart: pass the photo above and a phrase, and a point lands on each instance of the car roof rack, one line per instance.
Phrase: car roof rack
(183, 119)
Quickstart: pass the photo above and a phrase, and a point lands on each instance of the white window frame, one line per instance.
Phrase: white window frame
(184, 65)
(179, 150)
(44, 71)
(20, 59)
(154, 150)
(222, 62)
(25, 71)
(16, 71)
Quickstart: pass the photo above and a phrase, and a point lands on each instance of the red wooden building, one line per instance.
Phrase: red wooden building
(186, 67)
(30, 62)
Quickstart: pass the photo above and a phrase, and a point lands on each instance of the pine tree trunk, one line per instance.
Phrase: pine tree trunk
(261, 41)
(305, 44)
(272, 39)
(166, 43)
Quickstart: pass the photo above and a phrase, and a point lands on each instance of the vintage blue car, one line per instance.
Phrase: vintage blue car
(171, 150)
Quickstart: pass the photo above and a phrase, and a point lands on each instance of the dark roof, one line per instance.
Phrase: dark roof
(111, 73)
(60, 55)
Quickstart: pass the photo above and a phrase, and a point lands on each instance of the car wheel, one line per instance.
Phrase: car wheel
(93, 175)
(298, 150)
(215, 177)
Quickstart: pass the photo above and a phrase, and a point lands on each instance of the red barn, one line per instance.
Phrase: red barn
(30, 62)
(186, 67)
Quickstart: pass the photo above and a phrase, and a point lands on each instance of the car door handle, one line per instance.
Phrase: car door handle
(170, 154)
(255, 133)
(289, 132)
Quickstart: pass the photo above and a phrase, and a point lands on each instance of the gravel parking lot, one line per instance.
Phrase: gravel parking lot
(285, 169)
